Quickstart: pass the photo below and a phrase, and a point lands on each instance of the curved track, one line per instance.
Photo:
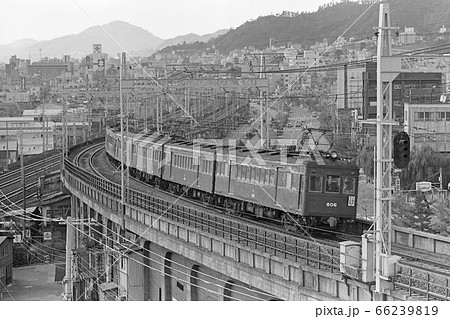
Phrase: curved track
(419, 265)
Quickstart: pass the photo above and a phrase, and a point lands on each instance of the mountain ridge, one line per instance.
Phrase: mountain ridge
(120, 36)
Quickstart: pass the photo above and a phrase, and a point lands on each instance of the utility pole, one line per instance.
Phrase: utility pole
(261, 106)
(68, 287)
(89, 119)
(158, 129)
(64, 132)
(22, 174)
(7, 147)
(122, 149)
(44, 135)
(383, 182)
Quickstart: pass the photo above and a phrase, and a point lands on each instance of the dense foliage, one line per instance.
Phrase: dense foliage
(422, 214)
(344, 18)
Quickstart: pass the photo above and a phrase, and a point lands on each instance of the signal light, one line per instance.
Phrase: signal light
(401, 150)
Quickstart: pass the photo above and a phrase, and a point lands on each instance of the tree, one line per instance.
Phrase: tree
(423, 166)
(416, 215)
(440, 219)
(365, 160)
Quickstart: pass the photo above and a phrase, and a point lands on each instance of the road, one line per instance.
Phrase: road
(35, 283)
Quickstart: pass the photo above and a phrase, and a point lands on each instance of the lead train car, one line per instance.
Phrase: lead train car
(294, 187)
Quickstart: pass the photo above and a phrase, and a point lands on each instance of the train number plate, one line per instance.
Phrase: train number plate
(331, 204)
(351, 201)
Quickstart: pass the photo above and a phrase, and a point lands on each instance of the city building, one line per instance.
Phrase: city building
(6, 261)
(349, 88)
(34, 136)
(48, 69)
(14, 97)
(408, 36)
(428, 124)
(414, 87)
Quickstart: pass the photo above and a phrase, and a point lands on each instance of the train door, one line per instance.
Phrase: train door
(231, 181)
(301, 190)
(196, 162)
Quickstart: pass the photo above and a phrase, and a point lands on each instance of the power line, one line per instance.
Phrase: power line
(176, 270)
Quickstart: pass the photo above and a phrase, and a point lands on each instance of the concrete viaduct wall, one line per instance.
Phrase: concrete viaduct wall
(234, 266)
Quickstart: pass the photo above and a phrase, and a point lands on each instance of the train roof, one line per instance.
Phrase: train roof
(242, 154)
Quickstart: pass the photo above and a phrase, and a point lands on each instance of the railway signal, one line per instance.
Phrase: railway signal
(401, 150)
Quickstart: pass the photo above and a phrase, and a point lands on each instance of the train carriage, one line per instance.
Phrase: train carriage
(191, 166)
(269, 184)
(149, 153)
(260, 179)
(132, 143)
(331, 189)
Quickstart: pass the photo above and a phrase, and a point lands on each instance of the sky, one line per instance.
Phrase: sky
(49, 19)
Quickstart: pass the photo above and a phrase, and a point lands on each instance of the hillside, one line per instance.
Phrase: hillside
(331, 21)
(191, 38)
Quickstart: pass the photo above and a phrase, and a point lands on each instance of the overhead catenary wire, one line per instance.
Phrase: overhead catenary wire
(164, 258)
(169, 275)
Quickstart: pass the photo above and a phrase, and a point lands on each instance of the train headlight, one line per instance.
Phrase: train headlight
(333, 155)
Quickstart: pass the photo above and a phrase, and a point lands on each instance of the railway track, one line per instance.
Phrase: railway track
(319, 236)
(14, 176)
(419, 274)
(11, 185)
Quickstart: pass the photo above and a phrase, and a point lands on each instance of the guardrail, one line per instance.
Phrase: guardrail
(299, 250)
(163, 215)
(420, 281)
(421, 240)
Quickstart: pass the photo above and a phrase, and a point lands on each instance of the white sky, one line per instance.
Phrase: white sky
(48, 19)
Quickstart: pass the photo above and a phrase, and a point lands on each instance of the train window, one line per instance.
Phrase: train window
(244, 172)
(227, 168)
(206, 166)
(288, 180)
(219, 169)
(272, 174)
(259, 178)
(332, 184)
(210, 166)
(295, 181)
(281, 179)
(315, 183)
(349, 185)
(202, 165)
(238, 171)
(254, 170)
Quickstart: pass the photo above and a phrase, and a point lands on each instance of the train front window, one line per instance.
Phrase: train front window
(349, 185)
(332, 184)
(315, 183)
